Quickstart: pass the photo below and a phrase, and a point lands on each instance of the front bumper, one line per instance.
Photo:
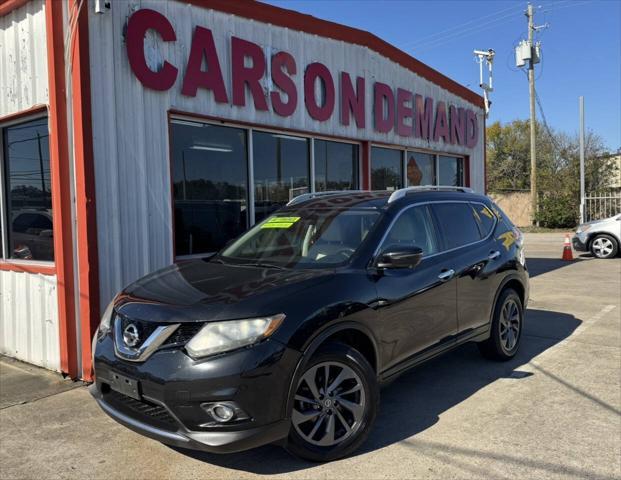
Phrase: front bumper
(579, 242)
(174, 388)
(213, 441)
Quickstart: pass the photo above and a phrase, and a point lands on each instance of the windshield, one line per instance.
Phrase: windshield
(309, 238)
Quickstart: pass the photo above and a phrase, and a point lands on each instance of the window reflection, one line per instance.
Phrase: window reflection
(451, 171)
(281, 170)
(421, 168)
(209, 185)
(336, 166)
(386, 169)
(29, 193)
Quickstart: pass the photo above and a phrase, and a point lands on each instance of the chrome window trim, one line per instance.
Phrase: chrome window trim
(432, 202)
(152, 343)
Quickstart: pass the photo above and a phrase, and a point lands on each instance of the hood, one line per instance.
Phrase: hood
(199, 290)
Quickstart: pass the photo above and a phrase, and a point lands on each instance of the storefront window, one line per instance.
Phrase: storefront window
(281, 170)
(28, 197)
(421, 168)
(451, 170)
(336, 166)
(386, 169)
(210, 178)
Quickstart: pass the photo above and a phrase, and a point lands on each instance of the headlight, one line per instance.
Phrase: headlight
(220, 337)
(583, 228)
(106, 320)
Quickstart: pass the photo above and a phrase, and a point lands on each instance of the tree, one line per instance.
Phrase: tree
(558, 167)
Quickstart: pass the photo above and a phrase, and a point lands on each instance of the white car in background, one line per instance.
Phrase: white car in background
(601, 237)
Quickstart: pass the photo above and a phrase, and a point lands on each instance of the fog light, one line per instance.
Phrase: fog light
(222, 413)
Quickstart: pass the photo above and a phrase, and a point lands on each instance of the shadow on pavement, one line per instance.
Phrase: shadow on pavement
(415, 401)
(539, 266)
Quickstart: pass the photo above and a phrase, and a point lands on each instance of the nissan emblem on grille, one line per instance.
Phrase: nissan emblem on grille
(131, 336)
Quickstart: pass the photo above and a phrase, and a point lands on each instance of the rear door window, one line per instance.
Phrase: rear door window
(458, 223)
(485, 218)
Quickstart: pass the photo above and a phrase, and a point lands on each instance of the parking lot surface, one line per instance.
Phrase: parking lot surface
(552, 412)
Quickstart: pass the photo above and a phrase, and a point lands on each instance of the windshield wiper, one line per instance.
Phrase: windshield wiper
(261, 265)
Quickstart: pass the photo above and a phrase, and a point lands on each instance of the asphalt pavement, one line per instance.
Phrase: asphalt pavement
(552, 412)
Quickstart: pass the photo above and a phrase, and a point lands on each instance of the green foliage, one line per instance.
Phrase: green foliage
(558, 167)
(558, 210)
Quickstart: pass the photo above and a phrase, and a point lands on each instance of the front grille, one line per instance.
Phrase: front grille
(183, 334)
(145, 329)
(147, 412)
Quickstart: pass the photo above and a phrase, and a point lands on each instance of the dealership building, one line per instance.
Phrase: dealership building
(135, 133)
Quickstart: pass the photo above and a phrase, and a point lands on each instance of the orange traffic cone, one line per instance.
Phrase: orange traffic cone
(567, 253)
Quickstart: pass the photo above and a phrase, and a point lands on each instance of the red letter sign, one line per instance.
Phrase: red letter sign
(472, 129)
(383, 95)
(250, 76)
(404, 111)
(318, 112)
(441, 127)
(352, 101)
(137, 27)
(422, 118)
(457, 120)
(284, 82)
(195, 78)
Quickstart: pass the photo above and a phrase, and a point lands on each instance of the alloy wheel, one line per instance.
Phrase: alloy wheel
(510, 324)
(602, 247)
(329, 404)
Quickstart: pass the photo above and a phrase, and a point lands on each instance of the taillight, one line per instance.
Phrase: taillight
(519, 236)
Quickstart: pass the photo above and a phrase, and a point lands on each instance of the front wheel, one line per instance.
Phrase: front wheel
(604, 246)
(335, 404)
(506, 329)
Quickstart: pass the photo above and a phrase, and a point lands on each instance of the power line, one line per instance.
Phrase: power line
(441, 32)
(461, 33)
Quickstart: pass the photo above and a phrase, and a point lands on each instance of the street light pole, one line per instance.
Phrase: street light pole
(582, 205)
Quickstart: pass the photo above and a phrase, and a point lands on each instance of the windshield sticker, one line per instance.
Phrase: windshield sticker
(280, 222)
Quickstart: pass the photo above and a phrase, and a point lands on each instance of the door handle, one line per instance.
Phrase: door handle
(446, 275)
(494, 255)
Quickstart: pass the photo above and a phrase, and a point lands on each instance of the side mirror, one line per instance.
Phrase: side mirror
(396, 256)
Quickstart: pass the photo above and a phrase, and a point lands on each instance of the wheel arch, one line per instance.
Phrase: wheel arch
(343, 332)
(594, 235)
(515, 283)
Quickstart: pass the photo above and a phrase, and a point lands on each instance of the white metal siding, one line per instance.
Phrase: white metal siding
(28, 302)
(23, 58)
(29, 318)
(130, 130)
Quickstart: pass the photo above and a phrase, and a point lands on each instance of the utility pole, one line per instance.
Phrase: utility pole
(582, 205)
(41, 168)
(527, 51)
(533, 118)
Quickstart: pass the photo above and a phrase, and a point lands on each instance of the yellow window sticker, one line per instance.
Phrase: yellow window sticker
(280, 222)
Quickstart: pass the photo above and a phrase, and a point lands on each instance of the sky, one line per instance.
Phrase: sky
(581, 51)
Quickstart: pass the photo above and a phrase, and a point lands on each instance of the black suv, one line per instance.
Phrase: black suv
(288, 332)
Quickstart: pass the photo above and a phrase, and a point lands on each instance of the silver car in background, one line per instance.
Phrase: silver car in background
(601, 237)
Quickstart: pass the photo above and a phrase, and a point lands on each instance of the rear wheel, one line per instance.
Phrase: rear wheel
(335, 404)
(506, 330)
(604, 246)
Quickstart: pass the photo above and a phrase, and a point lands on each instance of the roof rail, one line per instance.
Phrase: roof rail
(308, 196)
(402, 192)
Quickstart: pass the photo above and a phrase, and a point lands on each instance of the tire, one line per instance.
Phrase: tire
(604, 246)
(506, 329)
(318, 431)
